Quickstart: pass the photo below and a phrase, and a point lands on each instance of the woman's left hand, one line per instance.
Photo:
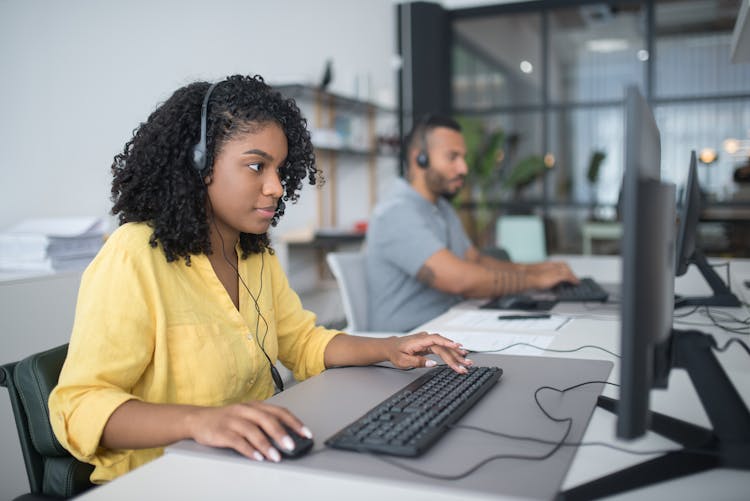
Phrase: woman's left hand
(410, 351)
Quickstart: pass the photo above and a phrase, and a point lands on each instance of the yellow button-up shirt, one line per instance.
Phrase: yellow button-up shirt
(169, 333)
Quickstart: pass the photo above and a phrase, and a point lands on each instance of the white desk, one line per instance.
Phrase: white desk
(191, 477)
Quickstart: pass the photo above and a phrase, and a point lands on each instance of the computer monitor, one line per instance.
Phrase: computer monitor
(650, 347)
(688, 251)
(648, 215)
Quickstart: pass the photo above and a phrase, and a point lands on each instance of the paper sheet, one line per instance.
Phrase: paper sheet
(489, 320)
(501, 342)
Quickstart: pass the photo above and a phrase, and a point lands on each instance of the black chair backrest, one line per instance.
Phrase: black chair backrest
(51, 469)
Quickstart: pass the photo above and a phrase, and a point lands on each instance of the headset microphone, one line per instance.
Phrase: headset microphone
(198, 157)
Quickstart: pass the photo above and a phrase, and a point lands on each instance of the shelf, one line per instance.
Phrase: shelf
(339, 101)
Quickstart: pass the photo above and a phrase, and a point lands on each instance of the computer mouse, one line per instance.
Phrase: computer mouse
(516, 302)
(302, 445)
(536, 302)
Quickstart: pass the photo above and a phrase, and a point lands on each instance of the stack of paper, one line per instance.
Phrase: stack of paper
(51, 244)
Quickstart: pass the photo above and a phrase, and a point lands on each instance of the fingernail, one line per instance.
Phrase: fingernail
(430, 363)
(468, 361)
(274, 455)
(288, 443)
(306, 432)
(258, 456)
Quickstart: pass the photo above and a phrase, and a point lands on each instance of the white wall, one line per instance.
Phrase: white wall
(80, 75)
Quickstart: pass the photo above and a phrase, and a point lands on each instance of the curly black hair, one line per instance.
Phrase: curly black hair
(156, 182)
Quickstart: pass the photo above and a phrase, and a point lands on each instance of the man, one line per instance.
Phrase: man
(420, 261)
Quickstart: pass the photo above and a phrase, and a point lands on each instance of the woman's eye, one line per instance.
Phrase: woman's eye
(255, 167)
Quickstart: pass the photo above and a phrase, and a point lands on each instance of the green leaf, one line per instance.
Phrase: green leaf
(525, 171)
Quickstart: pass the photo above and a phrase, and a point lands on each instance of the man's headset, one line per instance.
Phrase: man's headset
(423, 159)
(198, 156)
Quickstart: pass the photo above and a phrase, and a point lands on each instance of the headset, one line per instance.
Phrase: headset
(198, 156)
(198, 159)
(423, 159)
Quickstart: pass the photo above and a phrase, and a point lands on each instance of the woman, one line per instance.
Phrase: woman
(184, 311)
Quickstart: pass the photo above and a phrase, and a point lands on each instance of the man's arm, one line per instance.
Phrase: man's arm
(482, 276)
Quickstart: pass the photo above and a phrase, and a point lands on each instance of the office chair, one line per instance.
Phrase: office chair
(522, 237)
(53, 472)
(349, 270)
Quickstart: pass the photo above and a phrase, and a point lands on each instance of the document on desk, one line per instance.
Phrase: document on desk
(491, 320)
(505, 343)
(524, 333)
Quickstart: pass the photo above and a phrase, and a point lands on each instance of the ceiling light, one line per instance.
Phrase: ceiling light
(607, 44)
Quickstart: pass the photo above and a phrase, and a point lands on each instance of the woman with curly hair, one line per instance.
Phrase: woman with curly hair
(185, 310)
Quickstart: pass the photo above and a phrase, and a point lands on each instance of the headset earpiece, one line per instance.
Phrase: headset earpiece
(198, 156)
(422, 159)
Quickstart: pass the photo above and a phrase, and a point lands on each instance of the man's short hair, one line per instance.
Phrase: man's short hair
(417, 137)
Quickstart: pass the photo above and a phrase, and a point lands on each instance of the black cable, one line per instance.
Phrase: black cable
(557, 444)
(275, 376)
(727, 317)
(472, 469)
(729, 343)
(695, 308)
(740, 330)
(547, 349)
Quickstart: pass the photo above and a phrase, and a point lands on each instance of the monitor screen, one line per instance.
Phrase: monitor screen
(689, 252)
(648, 267)
(688, 220)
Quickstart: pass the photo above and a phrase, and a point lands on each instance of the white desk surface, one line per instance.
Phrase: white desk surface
(183, 476)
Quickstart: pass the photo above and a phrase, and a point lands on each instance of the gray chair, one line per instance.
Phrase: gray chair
(53, 472)
(349, 270)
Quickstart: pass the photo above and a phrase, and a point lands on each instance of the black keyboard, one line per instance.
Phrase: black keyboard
(585, 290)
(411, 420)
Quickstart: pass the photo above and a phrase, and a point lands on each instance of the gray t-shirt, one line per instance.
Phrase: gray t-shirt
(404, 231)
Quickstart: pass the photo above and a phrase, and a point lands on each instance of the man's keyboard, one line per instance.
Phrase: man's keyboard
(411, 420)
(585, 290)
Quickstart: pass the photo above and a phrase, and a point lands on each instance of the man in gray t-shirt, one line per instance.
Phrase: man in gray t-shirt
(419, 260)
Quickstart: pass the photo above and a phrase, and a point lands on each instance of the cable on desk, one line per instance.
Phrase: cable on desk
(732, 319)
(548, 349)
(475, 467)
(719, 318)
(726, 346)
(695, 308)
(556, 444)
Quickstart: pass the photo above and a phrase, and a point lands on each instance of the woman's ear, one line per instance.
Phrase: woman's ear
(208, 179)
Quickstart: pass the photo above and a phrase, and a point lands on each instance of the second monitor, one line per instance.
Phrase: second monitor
(688, 251)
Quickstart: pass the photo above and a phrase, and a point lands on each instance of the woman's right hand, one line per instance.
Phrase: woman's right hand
(242, 426)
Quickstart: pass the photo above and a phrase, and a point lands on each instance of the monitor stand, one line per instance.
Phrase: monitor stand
(723, 295)
(727, 445)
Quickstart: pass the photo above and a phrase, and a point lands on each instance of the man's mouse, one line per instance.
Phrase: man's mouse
(302, 445)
